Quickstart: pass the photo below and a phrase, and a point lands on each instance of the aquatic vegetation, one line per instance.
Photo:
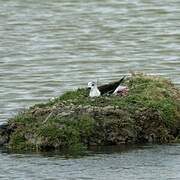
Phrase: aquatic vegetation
(150, 112)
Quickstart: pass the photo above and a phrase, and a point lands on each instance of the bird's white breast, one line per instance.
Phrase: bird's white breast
(94, 92)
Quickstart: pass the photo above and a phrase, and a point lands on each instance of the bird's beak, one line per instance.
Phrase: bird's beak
(89, 88)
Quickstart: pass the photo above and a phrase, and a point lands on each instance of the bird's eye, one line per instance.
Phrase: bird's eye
(92, 84)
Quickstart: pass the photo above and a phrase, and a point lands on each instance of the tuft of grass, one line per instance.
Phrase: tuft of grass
(19, 142)
(23, 118)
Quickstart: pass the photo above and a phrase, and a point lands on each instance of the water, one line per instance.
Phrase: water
(158, 162)
(48, 47)
(51, 46)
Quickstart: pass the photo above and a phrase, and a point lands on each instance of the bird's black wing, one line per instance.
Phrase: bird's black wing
(111, 87)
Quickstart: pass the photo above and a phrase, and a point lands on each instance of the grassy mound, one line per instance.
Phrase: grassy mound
(150, 112)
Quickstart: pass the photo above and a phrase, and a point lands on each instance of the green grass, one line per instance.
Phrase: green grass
(145, 92)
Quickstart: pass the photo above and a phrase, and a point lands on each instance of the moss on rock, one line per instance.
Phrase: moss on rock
(150, 112)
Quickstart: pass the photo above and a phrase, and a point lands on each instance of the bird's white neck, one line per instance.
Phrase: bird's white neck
(94, 92)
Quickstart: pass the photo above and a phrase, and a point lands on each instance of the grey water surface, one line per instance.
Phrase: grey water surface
(50, 46)
(157, 162)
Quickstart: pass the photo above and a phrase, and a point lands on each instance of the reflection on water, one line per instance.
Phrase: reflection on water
(157, 162)
(48, 47)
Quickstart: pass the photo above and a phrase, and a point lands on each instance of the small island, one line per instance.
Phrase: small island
(148, 113)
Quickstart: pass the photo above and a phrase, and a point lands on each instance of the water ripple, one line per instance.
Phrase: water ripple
(48, 47)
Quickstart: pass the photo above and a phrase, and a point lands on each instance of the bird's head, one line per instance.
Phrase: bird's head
(91, 85)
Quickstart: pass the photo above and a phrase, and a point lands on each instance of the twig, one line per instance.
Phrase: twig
(47, 117)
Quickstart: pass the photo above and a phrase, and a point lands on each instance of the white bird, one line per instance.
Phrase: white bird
(94, 91)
